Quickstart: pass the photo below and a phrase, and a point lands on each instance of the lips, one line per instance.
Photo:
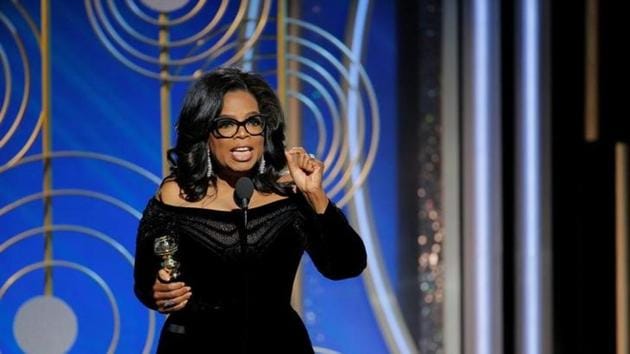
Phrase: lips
(242, 153)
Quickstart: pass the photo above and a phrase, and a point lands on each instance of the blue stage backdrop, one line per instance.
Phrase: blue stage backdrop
(77, 172)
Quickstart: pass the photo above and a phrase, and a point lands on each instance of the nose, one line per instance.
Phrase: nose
(241, 132)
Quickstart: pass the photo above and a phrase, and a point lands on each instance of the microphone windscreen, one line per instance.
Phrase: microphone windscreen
(243, 191)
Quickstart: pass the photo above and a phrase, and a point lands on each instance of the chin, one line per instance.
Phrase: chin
(241, 167)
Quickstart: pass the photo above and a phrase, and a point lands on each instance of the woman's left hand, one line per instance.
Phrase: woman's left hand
(307, 173)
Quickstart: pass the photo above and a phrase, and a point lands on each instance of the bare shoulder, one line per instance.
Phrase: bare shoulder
(170, 193)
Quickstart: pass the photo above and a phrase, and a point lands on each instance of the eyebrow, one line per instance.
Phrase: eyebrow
(248, 115)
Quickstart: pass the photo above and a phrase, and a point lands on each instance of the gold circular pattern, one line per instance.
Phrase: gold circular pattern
(350, 153)
(82, 230)
(347, 148)
(91, 233)
(90, 273)
(18, 120)
(165, 60)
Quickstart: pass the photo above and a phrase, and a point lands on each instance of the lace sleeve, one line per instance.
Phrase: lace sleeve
(154, 223)
(335, 248)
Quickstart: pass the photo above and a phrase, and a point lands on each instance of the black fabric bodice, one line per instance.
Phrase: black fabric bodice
(241, 294)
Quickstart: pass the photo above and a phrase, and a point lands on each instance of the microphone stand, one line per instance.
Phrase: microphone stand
(243, 191)
(242, 233)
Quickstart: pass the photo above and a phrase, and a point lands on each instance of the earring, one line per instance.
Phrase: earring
(261, 166)
(209, 173)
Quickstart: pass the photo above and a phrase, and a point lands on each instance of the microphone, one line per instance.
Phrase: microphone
(243, 192)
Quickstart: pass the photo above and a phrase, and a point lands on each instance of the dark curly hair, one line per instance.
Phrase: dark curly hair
(202, 104)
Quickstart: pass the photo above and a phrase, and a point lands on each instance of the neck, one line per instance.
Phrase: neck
(225, 179)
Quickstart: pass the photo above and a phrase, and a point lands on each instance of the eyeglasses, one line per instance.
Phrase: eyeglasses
(228, 127)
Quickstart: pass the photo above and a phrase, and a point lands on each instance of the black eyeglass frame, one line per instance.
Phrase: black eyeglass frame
(215, 123)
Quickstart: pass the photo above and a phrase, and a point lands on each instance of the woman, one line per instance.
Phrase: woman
(227, 300)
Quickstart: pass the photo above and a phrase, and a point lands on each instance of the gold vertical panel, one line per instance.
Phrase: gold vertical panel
(165, 92)
(46, 144)
(292, 125)
(621, 249)
(591, 95)
(281, 57)
(294, 129)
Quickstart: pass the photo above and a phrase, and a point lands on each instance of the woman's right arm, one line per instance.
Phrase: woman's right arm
(147, 264)
(149, 289)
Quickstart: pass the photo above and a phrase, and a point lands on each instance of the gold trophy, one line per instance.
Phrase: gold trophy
(165, 247)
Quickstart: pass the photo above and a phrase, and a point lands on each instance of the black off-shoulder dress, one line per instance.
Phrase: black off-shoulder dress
(242, 304)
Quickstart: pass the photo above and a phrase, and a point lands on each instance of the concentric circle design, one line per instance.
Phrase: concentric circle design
(109, 240)
(90, 273)
(58, 229)
(210, 34)
(87, 155)
(327, 99)
(175, 41)
(8, 69)
(45, 325)
(164, 5)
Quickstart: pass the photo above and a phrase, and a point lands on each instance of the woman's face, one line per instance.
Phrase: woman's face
(240, 153)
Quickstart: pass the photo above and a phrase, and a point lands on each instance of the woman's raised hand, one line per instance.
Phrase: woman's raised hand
(307, 172)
